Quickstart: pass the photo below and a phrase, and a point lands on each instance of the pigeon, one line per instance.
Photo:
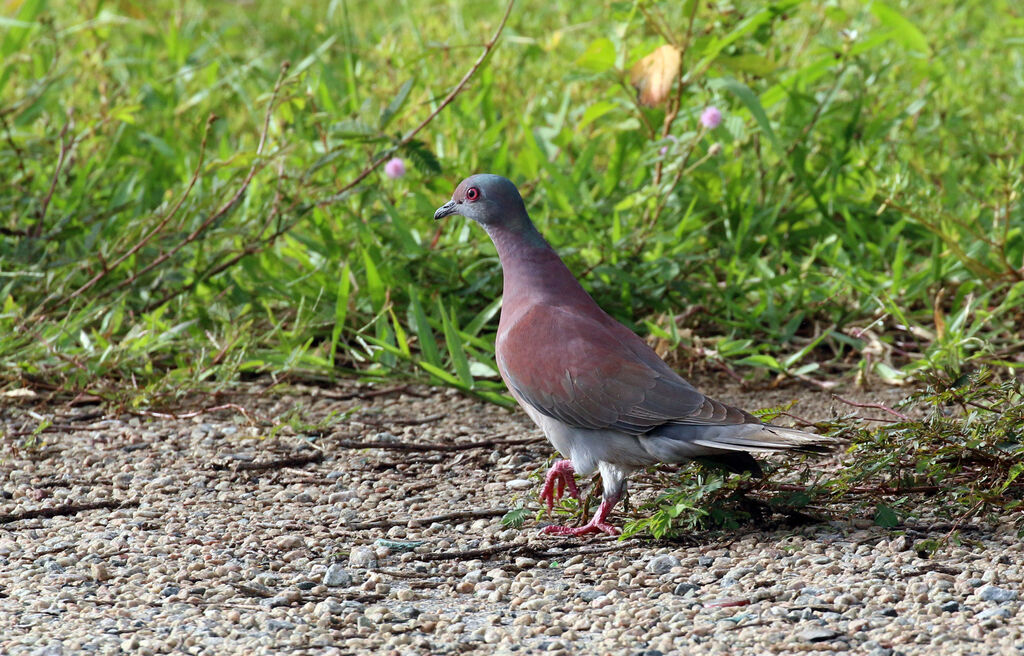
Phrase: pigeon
(603, 398)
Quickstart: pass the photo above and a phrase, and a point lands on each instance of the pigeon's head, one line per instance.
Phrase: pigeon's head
(490, 200)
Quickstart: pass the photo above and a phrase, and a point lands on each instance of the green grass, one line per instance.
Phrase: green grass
(863, 213)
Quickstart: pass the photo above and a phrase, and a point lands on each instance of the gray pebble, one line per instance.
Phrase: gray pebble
(279, 625)
(996, 594)
(819, 635)
(992, 613)
(951, 606)
(684, 588)
(590, 595)
(363, 557)
(662, 564)
(337, 577)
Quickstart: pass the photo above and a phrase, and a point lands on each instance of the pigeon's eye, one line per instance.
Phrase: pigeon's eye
(472, 193)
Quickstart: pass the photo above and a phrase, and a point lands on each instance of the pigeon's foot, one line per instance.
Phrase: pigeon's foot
(597, 524)
(559, 480)
(593, 526)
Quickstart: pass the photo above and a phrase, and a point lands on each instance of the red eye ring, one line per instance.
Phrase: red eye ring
(472, 193)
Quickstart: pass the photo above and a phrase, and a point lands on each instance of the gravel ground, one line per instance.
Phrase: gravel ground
(208, 534)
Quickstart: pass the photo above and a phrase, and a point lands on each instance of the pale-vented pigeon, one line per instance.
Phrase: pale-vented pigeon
(602, 396)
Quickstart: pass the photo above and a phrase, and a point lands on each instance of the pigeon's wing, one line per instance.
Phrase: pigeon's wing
(590, 371)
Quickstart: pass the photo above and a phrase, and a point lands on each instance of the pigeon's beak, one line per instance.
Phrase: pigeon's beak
(446, 209)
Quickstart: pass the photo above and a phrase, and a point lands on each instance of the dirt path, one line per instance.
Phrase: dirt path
(381, 533)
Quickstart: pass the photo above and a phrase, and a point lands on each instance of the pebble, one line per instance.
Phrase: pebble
(337, 576)
(819, 635)
(992, 613)
(662, 564)
(996, 594)
(362, 558)
(214, 562)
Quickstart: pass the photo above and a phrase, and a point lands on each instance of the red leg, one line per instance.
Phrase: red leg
(597, 524)
(560, 478)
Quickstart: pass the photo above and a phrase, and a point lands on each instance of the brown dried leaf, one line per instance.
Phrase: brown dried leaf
(653, 75)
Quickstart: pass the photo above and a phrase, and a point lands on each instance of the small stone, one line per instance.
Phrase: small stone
(519, 484)
(996, 594)
(662, 564)
(99, 572)
(337, 577)
(888, 612)
(684, 588)
(589, 595)
(992, 613)
(951, 606)
(465, 587)
(289, 542)
(328, 607)
(170, 591)
(362, 557)
(819, 635)
(275, 625)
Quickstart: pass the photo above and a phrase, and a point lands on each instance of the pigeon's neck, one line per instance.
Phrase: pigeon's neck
(532, 270)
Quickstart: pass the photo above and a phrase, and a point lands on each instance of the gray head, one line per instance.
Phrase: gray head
(490, 200)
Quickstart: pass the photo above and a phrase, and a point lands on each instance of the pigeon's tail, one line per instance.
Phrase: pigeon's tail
(765, 438)
(677, 442)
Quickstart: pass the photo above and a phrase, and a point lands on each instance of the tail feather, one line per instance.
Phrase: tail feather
(672, 443)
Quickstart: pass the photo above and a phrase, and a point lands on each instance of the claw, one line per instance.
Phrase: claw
(577, 531)
(597, 524)
(558, 481)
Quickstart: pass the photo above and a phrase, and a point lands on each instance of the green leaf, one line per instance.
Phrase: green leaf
(799, 355)
(422, 157)
(753, 104)
(886, 517)
(594, 112)
(514, 518)
(374, 283)
(598, 57)
(749, 63)
(903, 30)
(762, 360)
(455, 349)
(396, 104)
(424, 331)
(340, 309)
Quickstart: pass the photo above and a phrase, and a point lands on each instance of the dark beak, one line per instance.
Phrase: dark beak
(445, 210)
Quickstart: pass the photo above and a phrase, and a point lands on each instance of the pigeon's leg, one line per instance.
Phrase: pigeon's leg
(613, 480)
(560, 477)
(597, 523)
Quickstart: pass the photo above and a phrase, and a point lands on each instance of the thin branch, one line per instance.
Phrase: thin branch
(876, 406)
(409, 136)
(196, 413)
(156, 229)
(68, 509)
(65, 148)
(388, 522)
(405, 446)
(400, 421)
(281, 463)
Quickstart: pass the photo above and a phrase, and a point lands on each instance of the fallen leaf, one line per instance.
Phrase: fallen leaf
(653, 75)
